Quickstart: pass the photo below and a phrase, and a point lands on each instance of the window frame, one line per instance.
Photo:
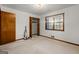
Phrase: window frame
(54, 22)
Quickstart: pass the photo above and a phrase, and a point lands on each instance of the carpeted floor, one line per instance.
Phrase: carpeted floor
(39, 45)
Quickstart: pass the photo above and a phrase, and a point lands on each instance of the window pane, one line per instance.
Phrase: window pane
(58, 24)
(61, 26)
(49, 22)
(58, 18)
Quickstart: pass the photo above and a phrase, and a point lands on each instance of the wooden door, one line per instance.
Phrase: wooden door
(30, 26)
(7, 27)
(0, 25)
(38, 26)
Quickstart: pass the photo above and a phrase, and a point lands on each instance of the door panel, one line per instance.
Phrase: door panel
(38, 28)
(7, 27)
(30, 27)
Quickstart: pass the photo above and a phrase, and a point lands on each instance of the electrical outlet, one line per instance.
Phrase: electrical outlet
(52, 37)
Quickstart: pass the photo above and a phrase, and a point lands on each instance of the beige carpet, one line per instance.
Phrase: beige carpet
(39, 45)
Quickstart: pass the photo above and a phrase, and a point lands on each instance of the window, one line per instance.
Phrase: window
(55, 22)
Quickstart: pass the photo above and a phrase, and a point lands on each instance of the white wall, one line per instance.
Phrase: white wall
(71, 23)
(22, 20)
(34, 28)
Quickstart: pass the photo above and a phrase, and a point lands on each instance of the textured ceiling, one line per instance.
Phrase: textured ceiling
(35, 9)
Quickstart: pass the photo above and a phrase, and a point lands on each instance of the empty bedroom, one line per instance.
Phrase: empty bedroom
(39, 28)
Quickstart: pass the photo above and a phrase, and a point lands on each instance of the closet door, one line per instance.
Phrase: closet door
(38, 26)
(0, 25)
(7, 27)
